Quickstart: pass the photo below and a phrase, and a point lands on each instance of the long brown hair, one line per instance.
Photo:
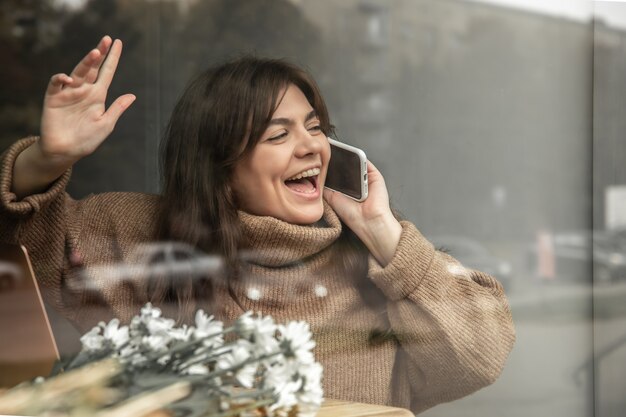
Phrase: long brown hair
(217, 121)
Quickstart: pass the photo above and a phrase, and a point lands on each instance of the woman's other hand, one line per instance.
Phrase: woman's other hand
(74, 120)
(371, 220)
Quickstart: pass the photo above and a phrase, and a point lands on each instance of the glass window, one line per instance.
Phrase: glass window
(496, 125)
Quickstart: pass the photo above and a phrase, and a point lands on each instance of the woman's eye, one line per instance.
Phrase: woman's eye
(316, 128)
(277, 137)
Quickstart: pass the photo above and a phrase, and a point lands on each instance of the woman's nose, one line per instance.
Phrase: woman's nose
(309, 144)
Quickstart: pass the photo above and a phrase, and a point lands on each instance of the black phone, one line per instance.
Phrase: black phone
(347, 170)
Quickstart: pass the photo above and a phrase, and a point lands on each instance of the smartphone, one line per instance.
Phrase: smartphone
(347, 170)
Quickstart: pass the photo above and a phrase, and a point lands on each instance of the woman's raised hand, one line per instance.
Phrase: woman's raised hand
(74, 121)
(372, 220)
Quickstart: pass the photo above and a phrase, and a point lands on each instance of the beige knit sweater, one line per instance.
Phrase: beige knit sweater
(451, 327)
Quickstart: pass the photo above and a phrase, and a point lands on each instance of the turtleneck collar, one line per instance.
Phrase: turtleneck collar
(274, 243)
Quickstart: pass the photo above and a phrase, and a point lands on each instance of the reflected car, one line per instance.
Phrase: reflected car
(585, 255)
(472, 254)
(156, 259)
(609, 257)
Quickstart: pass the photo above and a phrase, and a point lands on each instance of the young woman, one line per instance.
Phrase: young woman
(244, 163)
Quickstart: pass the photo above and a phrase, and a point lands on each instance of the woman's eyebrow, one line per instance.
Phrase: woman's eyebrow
(288, 122)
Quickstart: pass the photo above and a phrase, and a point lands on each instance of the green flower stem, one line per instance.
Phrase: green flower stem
(221, 372)
(200, 359)
(188, 344)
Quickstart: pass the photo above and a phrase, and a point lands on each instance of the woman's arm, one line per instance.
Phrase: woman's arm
(35, 211)
(74, 120)
(453, 324)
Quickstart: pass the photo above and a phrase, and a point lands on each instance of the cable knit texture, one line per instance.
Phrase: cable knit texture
(448, 329)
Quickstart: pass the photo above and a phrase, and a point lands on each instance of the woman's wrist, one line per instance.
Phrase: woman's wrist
(381, 237)
(33, 172)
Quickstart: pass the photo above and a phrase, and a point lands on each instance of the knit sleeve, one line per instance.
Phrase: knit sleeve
(37, 221)
(453, 324)
(47, 224)
(22, 209)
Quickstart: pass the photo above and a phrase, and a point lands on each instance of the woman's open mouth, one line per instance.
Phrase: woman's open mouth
(305, 182)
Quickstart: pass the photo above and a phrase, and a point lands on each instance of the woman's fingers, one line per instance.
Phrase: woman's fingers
(99, 64)
(372, 170)
(104, 45)
(103, 48)
(82, 68)
(118, 107)
(345, 207)
(57, 82)
(87, 68)
(107, 70)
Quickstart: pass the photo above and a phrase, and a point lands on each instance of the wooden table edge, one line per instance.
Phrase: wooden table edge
(340, 408)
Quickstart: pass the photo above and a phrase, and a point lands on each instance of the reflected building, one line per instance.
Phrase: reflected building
(479, 116)
(609, 123)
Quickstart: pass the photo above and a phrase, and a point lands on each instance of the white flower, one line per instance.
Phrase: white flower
(160, 325)
(181, 333)
(296, 378)
(92, 341)
(197, 369)
(311, 395)
(207, 326)
(295, 339)
(263, 336)
(156, 342)
(148, 311)
(293, 384)
(105, 336)
(278, 377)
(244, 325)
(312, 374)
(239, 354)
(117, 335)
(280, 355)
(260, 331)
(286, 397)
(150, 318)
(245, 375)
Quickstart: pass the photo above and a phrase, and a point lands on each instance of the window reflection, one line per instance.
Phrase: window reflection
(483, 118)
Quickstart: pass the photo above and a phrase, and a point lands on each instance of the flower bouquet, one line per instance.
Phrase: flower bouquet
(254, 367)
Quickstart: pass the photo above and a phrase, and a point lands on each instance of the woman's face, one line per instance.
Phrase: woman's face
(284, 175)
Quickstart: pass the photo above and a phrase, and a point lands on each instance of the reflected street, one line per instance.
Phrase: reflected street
(548, 371)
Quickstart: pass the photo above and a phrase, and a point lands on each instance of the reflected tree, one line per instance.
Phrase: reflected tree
(27, 27)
